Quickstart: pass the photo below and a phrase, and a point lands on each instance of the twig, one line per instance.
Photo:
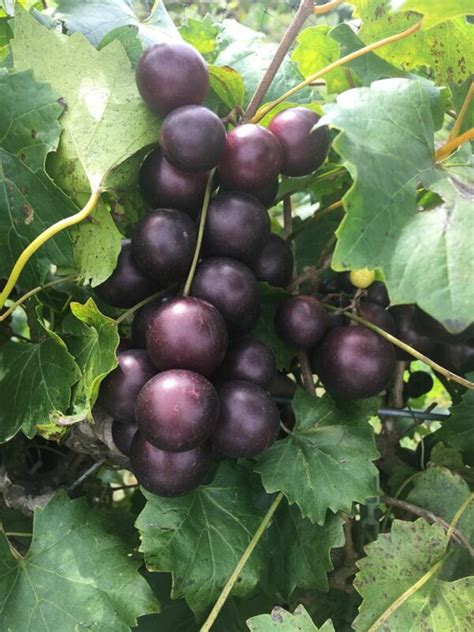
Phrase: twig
(462, 113)
(202, 226)
(458, 515)
(429, 516)
(325, 8)
(90, 470)
(240, 565)
(287, 216)
(338, 578)
(306, 372)
(340, 62)
(417, 414)
(445, 150)
(145, 301)
(304, 11)
(398, 343)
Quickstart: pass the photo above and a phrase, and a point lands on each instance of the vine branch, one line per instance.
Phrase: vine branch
(447, 149)
(462, 113)
(31, 293)
(340, 62)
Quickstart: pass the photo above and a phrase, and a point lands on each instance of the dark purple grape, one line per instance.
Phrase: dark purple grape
(419, 383)
(377, 293)
(170, 75)
(168, 473)
(252, 159)
(232, 288)
(404, 316)
(301, 321)
(238, 226)
(122, 435)
(164, 186)
(282, 387)
(192, 138)
(120, 388)
(274, 263)
(435, 330)
(127, 284)
(177, 410)
(163, 245)
(456, 357)
(304, 148)
(354, 362)
(377, 315)
(124, 345)
(249, 420)
(251, 361)
(187, 333)
(266, 195)
(330, 285)
(142, 318)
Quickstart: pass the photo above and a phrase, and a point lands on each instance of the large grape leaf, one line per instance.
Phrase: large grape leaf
(105, 120)
(29, 200)
(299, 552)
(76, 575)
(394, 563)
(435, 11)
(200, 537)
(36, 379)
(281, 620)
(387, 142)
(326, 461)
(458, 430)
(96, 18)
(447, 47)
(92, 339)
(201, 34)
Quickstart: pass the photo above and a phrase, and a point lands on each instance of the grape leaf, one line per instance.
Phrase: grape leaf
(458, 430)
(448, 47)
(96, 18)
(325, 463)
(423, 255)
(76, 575)
(29, 200)
(228, 84)
(281, 620)
(299, 552)
(92, 339)
(435, 11)
(128, 37)
(201, 34)
(212, 525)
(394, 563)
(313, 236)
(100, 93)
(36, 379)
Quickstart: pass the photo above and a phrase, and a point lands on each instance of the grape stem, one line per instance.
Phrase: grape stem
(462, 113)
(325, 8)
(202, 226)
(447, 149)
(240, 565)
(31, 293)
(42, 238)
(145, 301)
(305, 9)
(340, 62)
(402, 345)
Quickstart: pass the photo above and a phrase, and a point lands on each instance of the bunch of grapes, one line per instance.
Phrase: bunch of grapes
(191, 385)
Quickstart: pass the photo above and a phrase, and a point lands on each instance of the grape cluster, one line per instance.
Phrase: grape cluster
(190, 385)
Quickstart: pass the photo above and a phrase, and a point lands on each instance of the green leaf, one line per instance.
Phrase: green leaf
(200, 537)
(458, 430)
(92, 339)
(94, 19)
(100, 93)
(264, 331)
(130, 40)
(75, 575)
(201, 34)
(29, 200)
(416, 251)
(326, 461)
(228, 84)
(314, 50)
(299, 552)
(35, 383)
(313, 237)
(394, 563)
(435, 11)
(281, 620)
(448, 48)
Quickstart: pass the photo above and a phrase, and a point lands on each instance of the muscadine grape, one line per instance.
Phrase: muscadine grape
(120, 388)
(251, 361)
(377, 315)
(177, 410)
(274, 263)
(377, 293)
(457, 357)
(252, 159)
(232, 288)
(354, 362)
(192, 138)
(165, 186)
(419, 383)
(362, 278)
(237, 226)
(301, 321)
(123, 434)
(404, 316)
(163, 245)
(168, 473)
(170, 75)
(187, 333)
(142, 318)
(249, 420)
(304, 148)
(435, 330)
(128, 284)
